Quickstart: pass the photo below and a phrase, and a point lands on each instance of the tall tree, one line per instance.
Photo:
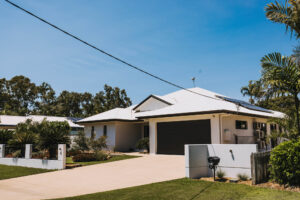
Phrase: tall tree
(22, 94)
(46, 100)
(287, 13)
(283, 73)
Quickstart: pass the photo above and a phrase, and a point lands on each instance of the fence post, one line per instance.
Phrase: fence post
(28, 151)
(2, 150)
(253, 174)
(62, 151)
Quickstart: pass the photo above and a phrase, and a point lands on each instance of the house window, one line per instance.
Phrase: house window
(241, 124)
(146, 131)
(105, 130)
(93, 132)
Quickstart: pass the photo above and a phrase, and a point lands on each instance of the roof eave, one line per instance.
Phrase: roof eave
(108, 120)
(205, 112)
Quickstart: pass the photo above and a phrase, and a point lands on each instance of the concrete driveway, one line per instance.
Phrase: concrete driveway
(94, 178)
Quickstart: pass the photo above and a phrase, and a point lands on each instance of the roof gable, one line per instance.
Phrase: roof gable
(152, 102)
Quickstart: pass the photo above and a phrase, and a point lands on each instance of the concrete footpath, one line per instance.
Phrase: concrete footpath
(94, 178)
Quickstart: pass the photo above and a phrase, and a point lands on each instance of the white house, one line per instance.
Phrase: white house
(183, 117)
(10, 121)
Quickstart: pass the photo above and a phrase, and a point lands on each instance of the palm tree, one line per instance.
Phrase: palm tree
(283, 73)
(51, 134)
(287, 13)
(254, 90)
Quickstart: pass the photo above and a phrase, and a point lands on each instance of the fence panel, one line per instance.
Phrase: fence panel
(259, 167)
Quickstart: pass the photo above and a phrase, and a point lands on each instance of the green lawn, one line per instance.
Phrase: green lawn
(114, 158)
(186, 189)
(14, 171)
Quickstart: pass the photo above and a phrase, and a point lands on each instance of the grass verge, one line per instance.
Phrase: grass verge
(114, 158)
(186, 189)
(7, 172)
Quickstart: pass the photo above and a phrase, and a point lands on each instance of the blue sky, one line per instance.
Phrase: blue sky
(218, 42)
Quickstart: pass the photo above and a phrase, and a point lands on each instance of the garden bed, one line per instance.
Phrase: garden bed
(270, 185)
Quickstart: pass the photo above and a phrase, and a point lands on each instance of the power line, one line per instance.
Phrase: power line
(106, 53)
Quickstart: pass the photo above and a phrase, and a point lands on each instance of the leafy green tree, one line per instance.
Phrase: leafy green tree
(51, 134)
(111, 98)
(5, 135)
(45, 104)
(283, 73)
(287, 13)
(22, 93)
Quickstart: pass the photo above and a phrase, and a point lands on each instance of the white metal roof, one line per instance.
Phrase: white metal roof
(183, 103)
(9, 120)
(114, 114)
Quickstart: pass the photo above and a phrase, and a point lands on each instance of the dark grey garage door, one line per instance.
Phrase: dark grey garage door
(172, 136)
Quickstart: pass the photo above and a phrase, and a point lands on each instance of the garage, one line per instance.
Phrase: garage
(172, 136)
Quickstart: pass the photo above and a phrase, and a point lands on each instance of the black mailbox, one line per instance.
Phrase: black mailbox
(213, 162)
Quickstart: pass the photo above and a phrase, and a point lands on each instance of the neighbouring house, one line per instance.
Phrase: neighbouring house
(183, 117)
(10, 122)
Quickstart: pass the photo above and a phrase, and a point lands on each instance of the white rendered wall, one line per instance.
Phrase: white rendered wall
(127, 135)
(98, 128)
(228, 123)
(151, 104)
(237, 162)
(60, 163)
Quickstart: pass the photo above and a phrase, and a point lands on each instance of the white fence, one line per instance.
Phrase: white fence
(60, 163)
(234, 159)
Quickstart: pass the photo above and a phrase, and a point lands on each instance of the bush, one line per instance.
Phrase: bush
(17, 154)
(221, 174)
(243, 177)
(84, 157)
(285, 163)
(97, 144)
(143, 144)
(5, 136)
(40, 155)
(81, 141)
(73, 152)
(100, 156)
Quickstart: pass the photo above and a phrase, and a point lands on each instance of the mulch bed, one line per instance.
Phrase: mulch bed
(271, 185)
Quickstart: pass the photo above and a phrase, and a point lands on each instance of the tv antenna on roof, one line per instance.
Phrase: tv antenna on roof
(193, 79)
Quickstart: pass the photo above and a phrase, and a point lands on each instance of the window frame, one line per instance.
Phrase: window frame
(240, 123)
(105, 130)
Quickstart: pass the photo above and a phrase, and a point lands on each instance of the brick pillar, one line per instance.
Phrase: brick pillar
(62, 151)
(28, 151)
(2, 150)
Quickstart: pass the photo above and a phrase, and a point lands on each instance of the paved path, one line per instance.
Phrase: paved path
(94, 178)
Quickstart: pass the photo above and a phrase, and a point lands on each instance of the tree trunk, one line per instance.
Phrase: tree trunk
(297, 113)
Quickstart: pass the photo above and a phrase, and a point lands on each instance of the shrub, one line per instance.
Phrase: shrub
(221, 174)
(73, 152)
(100, 156)
(81, 141)
(243, 177)
(285, 163)
(40, 155)
(143, 143)
(97, 144)
(5, 136)
(84, 157)
(17, 154)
